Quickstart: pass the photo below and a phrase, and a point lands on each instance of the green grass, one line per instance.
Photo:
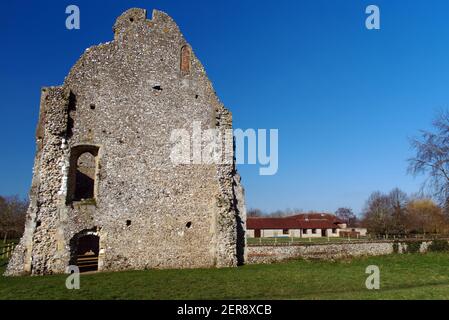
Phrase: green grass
(411, 276)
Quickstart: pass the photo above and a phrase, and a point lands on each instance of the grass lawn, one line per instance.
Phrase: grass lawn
(411, 276)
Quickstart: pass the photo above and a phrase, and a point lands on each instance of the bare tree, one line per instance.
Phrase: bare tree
(398, 206)
(253, 212)
(432, 158)
(12, 216)
(278, 214)
(284, 213)
(386, 214)
(347, 216)
(376, 215)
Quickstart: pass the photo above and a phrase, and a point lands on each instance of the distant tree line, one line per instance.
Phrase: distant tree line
(396, 213)
(12, 217)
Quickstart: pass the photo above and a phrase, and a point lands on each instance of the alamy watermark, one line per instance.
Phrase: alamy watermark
(73, 280)
(373, 280)
(216, 146)
(372, 22)
(73, 20)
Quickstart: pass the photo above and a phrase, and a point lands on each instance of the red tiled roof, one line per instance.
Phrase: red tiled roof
(302, 221)
(317, 216)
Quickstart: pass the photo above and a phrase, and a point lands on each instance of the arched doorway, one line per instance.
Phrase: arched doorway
(86, 251)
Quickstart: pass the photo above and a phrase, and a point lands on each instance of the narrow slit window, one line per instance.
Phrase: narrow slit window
(185, 60)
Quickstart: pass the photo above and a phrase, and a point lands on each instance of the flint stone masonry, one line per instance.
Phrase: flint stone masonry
(270, 254)
(120, 103)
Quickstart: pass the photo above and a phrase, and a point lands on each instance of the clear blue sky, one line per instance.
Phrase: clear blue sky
(345, 99)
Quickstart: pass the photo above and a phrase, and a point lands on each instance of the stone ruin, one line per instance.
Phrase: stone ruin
(105, 195)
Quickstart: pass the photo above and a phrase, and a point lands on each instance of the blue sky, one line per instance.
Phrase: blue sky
(345, 99)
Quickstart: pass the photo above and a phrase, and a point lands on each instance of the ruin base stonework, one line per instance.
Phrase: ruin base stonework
(105, 193)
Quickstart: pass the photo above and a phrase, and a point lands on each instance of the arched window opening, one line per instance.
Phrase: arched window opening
(85, 177)
(83, 172)
(186, 53)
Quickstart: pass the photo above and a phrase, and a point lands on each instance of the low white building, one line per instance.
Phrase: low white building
(314, 225)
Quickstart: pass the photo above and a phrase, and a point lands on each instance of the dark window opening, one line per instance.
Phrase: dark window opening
(314, 231)
(158, 88)
(334, 230)
(92, 107)
(82, 173)
(285, 231)
(85, 177)
(189, 225)
(128, 223)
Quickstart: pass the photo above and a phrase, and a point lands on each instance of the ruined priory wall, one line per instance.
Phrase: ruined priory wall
(126, 97)
(41, 249)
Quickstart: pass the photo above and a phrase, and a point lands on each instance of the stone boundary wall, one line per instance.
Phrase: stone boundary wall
(269, 254)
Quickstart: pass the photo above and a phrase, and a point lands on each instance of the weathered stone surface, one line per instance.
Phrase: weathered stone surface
(120, 102)
(270, 254)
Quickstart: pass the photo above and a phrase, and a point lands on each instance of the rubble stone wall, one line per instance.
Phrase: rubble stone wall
(270, 254)
(123, 99)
